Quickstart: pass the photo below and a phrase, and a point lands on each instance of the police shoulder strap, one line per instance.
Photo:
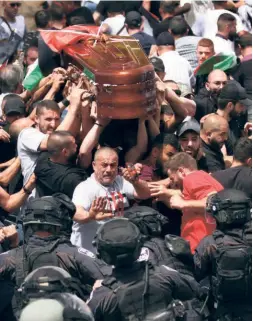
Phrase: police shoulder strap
(21, 266)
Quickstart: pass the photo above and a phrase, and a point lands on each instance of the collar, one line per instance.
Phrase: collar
(220, 36)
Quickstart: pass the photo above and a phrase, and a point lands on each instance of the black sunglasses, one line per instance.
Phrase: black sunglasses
(15, 4)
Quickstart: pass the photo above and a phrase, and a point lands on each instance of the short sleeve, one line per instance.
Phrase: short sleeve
(81, 196)
(31, 138)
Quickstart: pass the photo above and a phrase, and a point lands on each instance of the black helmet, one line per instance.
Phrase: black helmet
(149, 221)
(47, 280)
(229, 207)
(55, 210)
(118, 242)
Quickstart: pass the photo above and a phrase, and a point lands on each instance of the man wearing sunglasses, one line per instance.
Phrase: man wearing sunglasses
(12, 21)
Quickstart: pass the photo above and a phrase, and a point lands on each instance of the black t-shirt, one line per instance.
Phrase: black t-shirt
(205, 104)
(214, 158)
(104, 6)
(243, 74)
(202, 164)
(239, 177)
(56, 178)
(146, 41)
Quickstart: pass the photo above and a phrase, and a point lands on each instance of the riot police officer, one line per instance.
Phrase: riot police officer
(49, 294)
(225, 257)
(135, 290)
(158, 248)
(44, 224)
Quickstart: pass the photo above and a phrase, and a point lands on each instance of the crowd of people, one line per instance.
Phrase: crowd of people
(127, 219)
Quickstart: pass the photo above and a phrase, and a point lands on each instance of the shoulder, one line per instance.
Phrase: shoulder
(85, 252)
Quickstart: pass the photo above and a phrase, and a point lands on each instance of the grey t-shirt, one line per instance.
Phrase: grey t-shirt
(85, 193)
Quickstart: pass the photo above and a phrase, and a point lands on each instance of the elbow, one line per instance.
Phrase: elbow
(4, 180)
(191, 109)
(84, 159)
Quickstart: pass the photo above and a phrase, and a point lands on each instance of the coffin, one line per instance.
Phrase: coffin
(117, 66)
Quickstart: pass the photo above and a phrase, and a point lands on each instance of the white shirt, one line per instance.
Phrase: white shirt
(85, 193)
(177, 68)
(198, 7)
(206, 25)
(29, 141)
(223, 46)
(115, 25)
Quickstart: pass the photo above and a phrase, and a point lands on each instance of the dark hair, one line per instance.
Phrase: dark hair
(57, 141)
(116, 6)
(243, 149)
(42, 18)
(46, 104)
(182, 160)
(224, 19)
(222, 103)
(178, 26)
(57, 12)
(168, 6)
(80, 16)
(166, 139)
(245, 40)
(166, 110)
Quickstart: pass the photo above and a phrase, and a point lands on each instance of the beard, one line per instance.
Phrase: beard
(72, 158)
(232, 36)
(215, 145)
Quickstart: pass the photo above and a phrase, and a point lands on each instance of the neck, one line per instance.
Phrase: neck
(57, 25)
(204, 138)
(9, 18)
(150, 161)
(223, 34)
(237, 163)
(133, 31)
(224, 114)
(167, 15)
(59, 160)
(247, 51)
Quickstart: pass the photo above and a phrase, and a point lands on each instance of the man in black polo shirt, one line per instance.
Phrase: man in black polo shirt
(134, 26)
(233, 104)
(189, 139)
(214, 134)
(239, 175)
(58, 172)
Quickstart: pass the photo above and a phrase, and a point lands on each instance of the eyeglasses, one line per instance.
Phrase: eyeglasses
(15, 4)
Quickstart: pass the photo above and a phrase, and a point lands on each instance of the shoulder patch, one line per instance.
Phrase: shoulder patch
(83, 251)
(144, 256)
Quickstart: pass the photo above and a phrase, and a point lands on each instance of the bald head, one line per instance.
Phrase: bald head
(214, 123)
(215, 131)
(104, 152)
(217, 79)
(17, 126)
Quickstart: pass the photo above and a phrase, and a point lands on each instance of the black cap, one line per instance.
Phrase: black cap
(189, 125)
(165, 39)
(14, 105)
(233, 91)
(158, 64)
(133, 19)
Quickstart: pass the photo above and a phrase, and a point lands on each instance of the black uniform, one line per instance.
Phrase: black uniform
(165, 284)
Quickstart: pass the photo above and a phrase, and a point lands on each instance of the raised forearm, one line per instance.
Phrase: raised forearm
(181, 106)
(9, 173)
(153, 128)
(71, 122)
(8, 163)
(81, 216)
(12, 202)
(196, 205)
(142, 190)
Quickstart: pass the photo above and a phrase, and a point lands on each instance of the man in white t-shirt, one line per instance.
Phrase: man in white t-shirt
(206, 25)
(115, 23)
(33, 140)
(15, 21)
(105, 194)
(224, 38)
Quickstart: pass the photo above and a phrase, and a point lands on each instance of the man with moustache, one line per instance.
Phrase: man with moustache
(206, 99)
(189, 139)
(214, 134)
(233, 104)
(56, 170)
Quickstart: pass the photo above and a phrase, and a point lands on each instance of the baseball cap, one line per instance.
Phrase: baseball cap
(158, 64)
(233, 91)
(133, 19)
(189, 125)
(14, 104)
(165, 39)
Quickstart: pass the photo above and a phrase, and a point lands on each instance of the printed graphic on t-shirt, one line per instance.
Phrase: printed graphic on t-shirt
(116, 203)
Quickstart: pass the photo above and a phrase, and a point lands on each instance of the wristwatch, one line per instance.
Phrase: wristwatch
(65, 102)
(26, 190)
